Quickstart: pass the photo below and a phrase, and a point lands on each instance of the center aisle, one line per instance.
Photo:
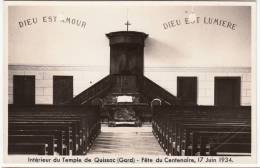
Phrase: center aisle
(126, 140)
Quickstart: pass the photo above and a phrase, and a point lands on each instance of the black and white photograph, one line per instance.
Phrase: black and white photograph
(157, 80)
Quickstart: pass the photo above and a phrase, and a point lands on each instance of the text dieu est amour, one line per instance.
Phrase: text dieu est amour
(167, 25)
(52, 19)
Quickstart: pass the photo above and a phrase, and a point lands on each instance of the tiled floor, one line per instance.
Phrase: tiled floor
(126, 140)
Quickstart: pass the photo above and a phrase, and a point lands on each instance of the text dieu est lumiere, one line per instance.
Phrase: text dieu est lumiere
(166, 25)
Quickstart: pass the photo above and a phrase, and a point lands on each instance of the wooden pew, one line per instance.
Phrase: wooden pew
(229, 149)
(58, 137)
(48, 140)
(199, 136)
(27, 148)
(78, 131)
(62, 128)
(77, 126)
(173, 127)
(72, 124)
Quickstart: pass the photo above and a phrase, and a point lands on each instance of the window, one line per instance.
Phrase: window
(227, 91)
(187, 90)
(24, 90)
(62, 89)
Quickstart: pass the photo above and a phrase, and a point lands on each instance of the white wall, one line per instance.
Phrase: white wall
(196, 45)
(205, 51)
(167, 78)
(84, 77)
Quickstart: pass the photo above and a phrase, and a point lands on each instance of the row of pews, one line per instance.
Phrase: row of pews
(52, 130)
(203, 130)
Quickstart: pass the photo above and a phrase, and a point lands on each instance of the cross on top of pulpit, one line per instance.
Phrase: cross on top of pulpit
(127, 25)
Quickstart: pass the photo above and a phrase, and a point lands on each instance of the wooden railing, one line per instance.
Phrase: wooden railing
(90, 93)
(139, 83)
(152, 90)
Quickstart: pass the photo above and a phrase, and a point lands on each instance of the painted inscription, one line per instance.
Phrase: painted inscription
(200, 20)
(52, 19)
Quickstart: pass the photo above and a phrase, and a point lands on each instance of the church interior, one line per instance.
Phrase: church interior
(166, 85)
